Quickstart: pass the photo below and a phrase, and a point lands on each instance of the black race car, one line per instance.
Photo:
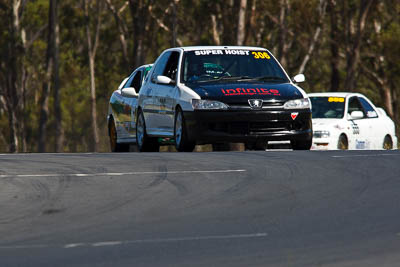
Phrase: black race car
(200, 95)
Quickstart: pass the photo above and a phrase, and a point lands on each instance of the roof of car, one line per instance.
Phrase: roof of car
(192, 48)
(334, 94)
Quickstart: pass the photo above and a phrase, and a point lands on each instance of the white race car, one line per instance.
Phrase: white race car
(350, 121)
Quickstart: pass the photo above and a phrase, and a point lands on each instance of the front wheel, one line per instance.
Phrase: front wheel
(144, 143)
(182, 143)
(343, 144)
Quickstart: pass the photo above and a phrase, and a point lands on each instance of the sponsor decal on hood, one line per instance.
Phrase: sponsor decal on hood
(235, 92)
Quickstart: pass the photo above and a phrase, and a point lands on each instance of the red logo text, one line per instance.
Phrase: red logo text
(250, 91)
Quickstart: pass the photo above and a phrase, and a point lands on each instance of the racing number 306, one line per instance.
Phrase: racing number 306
(258, 55)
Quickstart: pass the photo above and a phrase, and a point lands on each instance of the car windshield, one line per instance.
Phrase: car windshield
(231, 64)
(327, 107)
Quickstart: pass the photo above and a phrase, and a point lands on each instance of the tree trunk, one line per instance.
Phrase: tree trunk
(122, 30)
(314, 41)
(139, 12)
(215, 33)
(92, 49)
(95, 129)
(174, 22)
(59, 145)
(12, 91)
(12, 124)
(283, 45)
(44, 99)
(334, 47)
(388, 100)
(241, 23)
(354, 54)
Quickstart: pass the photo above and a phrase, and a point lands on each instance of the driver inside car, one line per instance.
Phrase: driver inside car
(196, 70)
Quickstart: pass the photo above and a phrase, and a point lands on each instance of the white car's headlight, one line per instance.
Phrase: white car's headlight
(297, 104)
(208, 104)
(321, 134)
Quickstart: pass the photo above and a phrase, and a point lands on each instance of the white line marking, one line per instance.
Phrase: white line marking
(74, 245)
(365, 155)
(140, 241)
(112, 173)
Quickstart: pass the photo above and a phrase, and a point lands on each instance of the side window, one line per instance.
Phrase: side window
(137, 81)
(129, 81)
(172, 66)
(355, 105)
(160, 67)
(371, 113)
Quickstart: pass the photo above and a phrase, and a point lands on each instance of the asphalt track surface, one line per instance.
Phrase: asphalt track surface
(274, 208)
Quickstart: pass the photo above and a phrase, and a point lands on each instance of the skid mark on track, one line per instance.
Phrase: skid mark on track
(163, 177)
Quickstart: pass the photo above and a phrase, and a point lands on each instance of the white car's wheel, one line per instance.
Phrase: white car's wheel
(343, 143)
(387, 143)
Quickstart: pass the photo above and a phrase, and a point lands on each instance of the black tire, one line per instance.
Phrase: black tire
(182, 143)
(387, 143)
(112, 133)
(301, 144)
(343, 143)
(143, 142)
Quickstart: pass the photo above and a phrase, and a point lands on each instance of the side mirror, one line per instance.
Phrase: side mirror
(129, 92)
(299, 78)
(164, 80)
(123, 82)
(355, 115)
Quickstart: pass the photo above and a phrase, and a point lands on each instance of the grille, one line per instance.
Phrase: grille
(266, 104)
(244, 128)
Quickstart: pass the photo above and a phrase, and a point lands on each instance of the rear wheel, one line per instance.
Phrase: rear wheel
(387, 143)
(343, 143)
(112, 132)
(182, 144)
(144, 143)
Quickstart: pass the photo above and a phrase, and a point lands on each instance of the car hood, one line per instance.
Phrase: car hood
(238, 92)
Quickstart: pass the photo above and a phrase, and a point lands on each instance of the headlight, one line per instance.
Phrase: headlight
(321, 134)
(208, 104)
(297, 104)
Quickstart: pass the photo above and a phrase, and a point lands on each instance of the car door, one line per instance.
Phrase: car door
(130, 102)
(149, 97)
(360, 134)
(376, 127)
(167, 93)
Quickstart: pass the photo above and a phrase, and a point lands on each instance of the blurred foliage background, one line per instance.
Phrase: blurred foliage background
(49, 103)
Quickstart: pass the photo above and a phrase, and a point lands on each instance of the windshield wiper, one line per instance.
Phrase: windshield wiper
(270, 78)
(233, 78)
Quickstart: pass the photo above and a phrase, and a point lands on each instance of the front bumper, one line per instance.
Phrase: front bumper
(205, 127)
(323, 144)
